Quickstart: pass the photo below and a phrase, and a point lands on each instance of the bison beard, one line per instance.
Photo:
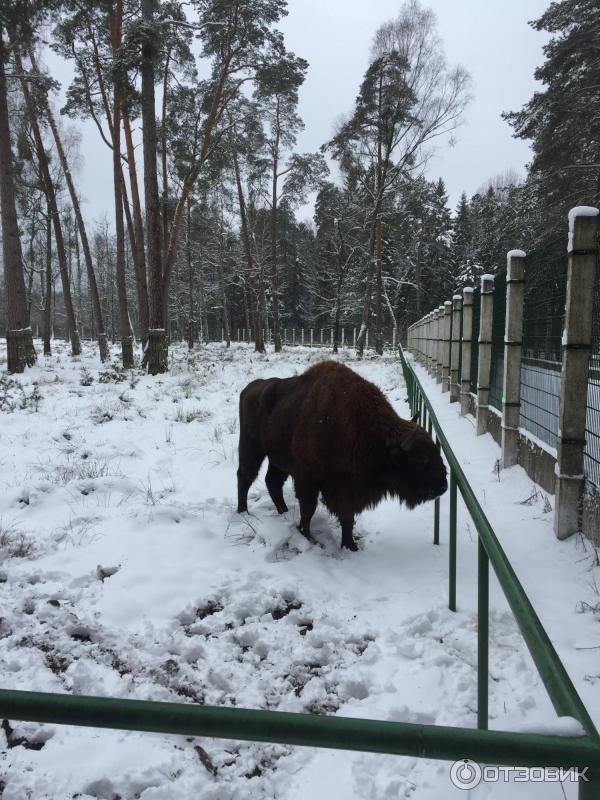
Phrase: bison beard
(335, 434)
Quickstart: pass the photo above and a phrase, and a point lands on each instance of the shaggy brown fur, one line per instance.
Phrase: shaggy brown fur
(335, 434)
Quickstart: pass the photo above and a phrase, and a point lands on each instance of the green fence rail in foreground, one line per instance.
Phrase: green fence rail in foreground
(343, 733)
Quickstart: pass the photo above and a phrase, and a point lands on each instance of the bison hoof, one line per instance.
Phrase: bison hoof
(242, 509)
(282, 508)
(350, 544)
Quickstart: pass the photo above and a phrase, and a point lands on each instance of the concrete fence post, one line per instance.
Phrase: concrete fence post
(311, 337)
(446, 343)
(431, 338)
(434, 343)
(577, 346)
(484, 364)
(467, 334)
(439, 343)
(513, 346)
(455, 349)
(426, 342)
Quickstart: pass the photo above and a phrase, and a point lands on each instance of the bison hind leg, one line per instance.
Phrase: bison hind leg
(275, 478)
(250, 460)
(308, 495)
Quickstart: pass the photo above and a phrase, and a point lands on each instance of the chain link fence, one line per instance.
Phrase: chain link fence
(591, 463)
(543, 323)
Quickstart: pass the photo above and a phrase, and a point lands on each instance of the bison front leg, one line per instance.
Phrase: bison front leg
(347, 523)
(308, 495)
(275, 479)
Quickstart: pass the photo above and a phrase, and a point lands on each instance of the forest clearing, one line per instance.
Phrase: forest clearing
(127, 573)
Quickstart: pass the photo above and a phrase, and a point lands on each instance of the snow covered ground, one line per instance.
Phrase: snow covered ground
(126, 572)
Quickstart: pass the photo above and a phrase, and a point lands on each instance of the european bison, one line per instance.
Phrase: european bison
(334, 433)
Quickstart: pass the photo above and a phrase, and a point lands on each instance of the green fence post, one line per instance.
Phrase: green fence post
(589, 789)
(436, 513)
(483, 621)
(452, 581)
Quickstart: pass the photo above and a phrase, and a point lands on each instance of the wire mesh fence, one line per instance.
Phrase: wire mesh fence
(543, 323)
(475, 339)
(498, 320)
(591, 459)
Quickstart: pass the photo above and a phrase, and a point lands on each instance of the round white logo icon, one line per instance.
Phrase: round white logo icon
(465, 774)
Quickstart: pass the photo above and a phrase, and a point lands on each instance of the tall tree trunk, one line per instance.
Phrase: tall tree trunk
(50, 193)
(19, 338)
(259, 344)
(190, 325)
(378, 289)
(366, 311)
(48, 279)
(222, 289)
(139, 260)
(274, 235)
(192, 176)
(378, 243)
(163, 155)
(89, 266)
(156, 353)
(418, 273)
(115, 24)
(338, 314)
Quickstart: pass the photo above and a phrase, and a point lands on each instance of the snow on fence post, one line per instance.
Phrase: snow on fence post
(467, 333)
(577, 347)
(455, 349)
(513, 345)
(446, 342)
(484, 363)
(440, 342)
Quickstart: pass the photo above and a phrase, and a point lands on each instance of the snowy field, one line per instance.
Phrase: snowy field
(126, 572)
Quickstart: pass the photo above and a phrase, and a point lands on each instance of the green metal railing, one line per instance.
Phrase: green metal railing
(397, 738)
(562, 693)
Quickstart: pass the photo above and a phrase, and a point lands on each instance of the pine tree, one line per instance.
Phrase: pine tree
(563, 121)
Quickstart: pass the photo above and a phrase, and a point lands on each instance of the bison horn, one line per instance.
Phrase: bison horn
(409, 439)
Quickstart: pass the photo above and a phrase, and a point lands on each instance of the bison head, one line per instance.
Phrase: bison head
(417, 470)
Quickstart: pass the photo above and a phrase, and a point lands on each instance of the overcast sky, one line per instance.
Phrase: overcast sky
(491, 38)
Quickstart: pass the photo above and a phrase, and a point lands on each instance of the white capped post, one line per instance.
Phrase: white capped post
(455, 348)
(466, 344)
(513, 346)
(484, 365)
(577, 346)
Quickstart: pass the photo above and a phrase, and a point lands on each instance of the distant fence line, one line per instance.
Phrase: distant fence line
(537, 362)
(302, 337)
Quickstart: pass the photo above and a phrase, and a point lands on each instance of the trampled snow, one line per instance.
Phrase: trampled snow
(126, 572)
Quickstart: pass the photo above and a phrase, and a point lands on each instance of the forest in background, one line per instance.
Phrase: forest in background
(205, 236)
